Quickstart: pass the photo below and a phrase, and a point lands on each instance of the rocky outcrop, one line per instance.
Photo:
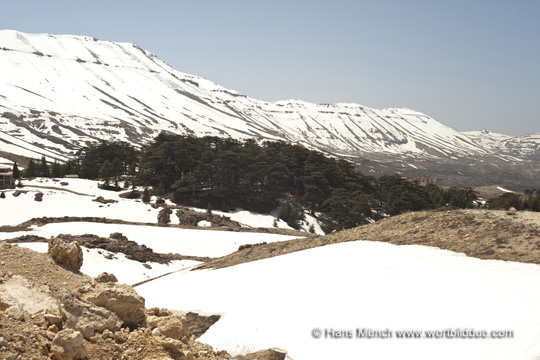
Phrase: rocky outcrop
(118, 243)
(190, 323)
(68, 255)
(68, 345)
(198, 324)
(102, 200)
(86, 317)
(106, 278)
(18, 297)
(38, 196)
(122, 300)
(169, 326)
(270, 354)
(164, 216)
(192, 218)
(48, 314)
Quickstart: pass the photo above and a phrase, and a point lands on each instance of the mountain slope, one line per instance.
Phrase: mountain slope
(59, 93)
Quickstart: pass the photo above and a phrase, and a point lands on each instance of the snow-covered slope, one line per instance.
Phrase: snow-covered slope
(314, 303)
(58, 93)
(62, 91)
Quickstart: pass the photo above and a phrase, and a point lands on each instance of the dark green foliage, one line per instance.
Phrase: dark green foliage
(460, 197)
(344, 210)
(16, 171)
(2, 195)
(56, 170)
(121, 158)
(224, 174)
(43, 168)
(532, 202)
(508, 200)
(397, 195)
(31, 170)
(146, 196)
(292, 213)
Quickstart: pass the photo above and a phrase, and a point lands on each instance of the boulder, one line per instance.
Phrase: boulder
(106, 278)
(164, 216)
(269, 354)
(68, 255)
(86, 317)
(197, 324)
(169, 326)
(68, 345)
(122, 300)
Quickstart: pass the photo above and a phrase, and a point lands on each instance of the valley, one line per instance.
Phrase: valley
(159, 215)
(118, 91)
(417, 271)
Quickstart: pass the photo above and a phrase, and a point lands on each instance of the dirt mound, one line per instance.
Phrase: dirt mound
(47, 312)
(484, 234)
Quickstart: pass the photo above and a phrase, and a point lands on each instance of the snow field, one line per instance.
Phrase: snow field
(278, 302)
(195, 242)
(126, 271)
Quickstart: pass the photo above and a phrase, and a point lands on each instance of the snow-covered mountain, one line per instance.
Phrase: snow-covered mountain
(58, 93)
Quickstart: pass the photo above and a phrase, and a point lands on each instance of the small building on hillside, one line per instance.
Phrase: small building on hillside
(6, 178)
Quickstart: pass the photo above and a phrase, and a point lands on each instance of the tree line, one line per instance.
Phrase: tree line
(222, 173)
(530, 202)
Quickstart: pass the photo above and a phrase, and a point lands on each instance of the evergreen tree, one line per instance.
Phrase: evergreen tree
(43, 168)
(56, 170)
(506, 201)
(146, 196)
(105, 173)
(31, 170)
(15, 170)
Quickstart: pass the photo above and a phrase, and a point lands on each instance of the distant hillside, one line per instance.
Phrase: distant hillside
(59, 93)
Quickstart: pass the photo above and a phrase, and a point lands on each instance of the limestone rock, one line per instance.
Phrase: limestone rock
(18, 293)
(198, 324)
(86, 317)
(69, 255)
(15, 312)
(269, 354)
(122, 300)
(169, 326)
(106, 278)
(68, 345)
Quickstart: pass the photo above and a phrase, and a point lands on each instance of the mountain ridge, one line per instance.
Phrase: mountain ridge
(61, 93)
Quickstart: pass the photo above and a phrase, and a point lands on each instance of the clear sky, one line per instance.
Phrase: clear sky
(471, 64)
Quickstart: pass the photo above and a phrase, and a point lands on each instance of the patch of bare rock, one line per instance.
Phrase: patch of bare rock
(49, 311)
(116, 242)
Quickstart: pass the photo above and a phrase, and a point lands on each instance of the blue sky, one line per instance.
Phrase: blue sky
(469, 64)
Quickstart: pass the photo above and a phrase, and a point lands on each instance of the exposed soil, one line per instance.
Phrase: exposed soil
(31, 336)
(25, 226)
(484, 234)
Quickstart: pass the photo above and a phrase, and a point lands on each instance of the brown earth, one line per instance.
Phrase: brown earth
(484, 234)
(26, 226)
(26, 332)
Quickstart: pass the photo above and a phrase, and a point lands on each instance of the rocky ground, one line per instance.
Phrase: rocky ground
(26, 226)
(48, 311)
(485, 234)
